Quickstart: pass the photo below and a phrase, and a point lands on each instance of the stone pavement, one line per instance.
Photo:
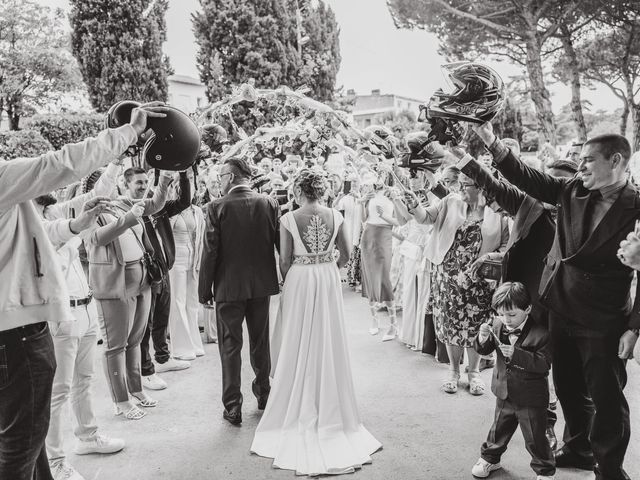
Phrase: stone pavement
(426, 433)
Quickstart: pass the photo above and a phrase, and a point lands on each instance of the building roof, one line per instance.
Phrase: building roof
(185, 79)
(379, 102)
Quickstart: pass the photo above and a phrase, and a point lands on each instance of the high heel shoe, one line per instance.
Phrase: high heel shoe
(391, 333)
(145, 401)
(374, 330)
(134, 413)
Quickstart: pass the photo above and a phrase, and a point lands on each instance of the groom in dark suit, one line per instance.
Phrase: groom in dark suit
(238, 271)
(593, 325)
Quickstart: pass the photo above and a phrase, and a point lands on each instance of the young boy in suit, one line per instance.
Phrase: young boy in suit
(519, 381)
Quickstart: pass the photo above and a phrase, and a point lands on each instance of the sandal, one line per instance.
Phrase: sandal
(476, 385)
(451, 385)
(134, 413)
(145, 401)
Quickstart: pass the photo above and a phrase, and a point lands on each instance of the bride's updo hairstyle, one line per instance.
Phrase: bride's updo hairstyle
(313, 183)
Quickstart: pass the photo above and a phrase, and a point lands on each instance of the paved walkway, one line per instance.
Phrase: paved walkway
(427, 434)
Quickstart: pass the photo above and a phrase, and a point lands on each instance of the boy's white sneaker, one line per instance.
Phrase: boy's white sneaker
(61, 470)
(545, 477)
(482, 468)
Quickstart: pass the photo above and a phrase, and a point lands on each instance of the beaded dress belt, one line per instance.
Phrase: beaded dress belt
(78, 302)
(313, 259)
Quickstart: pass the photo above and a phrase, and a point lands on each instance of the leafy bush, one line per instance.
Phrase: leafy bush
(22, 143)
(67, 128)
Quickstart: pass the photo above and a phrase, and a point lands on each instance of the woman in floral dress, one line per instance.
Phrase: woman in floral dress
(464, 229)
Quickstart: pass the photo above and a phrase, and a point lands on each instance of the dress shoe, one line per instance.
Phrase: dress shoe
(234, 418)
(262, 402)
(567, 459)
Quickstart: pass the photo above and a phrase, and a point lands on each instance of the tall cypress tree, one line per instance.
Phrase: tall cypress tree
(240, 40)
(321, 55)
(119, 48)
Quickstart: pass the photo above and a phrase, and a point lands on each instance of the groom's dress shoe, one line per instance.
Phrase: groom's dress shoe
(262, 402)
(567, 459)
(234, 418)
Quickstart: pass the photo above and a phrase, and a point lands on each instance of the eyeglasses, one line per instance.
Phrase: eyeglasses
(468, 185)
(223, 174)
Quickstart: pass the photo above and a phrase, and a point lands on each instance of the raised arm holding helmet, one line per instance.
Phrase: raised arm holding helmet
(32, 286)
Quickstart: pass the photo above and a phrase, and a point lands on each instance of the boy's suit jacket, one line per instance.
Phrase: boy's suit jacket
(523, 378)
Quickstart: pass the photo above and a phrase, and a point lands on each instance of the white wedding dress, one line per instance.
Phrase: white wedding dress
(311, 423)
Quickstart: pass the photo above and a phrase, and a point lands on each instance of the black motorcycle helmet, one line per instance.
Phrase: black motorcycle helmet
(170, 143)
(476, 96)
(214, 136)
(423, 153)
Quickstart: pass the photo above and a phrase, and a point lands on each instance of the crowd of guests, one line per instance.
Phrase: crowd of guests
(515, 265)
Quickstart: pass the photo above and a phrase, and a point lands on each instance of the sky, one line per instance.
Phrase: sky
(375, 55)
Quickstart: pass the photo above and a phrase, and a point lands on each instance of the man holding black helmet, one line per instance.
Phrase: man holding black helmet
(33, 291)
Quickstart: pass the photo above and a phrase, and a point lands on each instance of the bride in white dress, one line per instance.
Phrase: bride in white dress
(311, 423)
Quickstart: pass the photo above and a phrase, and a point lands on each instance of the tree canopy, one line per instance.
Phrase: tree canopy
(36, 67)
(240, 40)
(119, 48)
(523, 32)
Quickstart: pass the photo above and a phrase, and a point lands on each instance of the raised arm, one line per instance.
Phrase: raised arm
(104, 235)
(537, 184)
(507, 196)
(156, 203)
(174, 207)
(423, 214)
(104, 187)
(27, 178)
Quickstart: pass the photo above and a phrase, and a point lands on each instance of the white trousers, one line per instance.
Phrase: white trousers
(414, 301)
(183, 319)
(75, 345)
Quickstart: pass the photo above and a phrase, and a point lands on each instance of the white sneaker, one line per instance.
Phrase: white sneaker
(545, 477)
(186, 356)
(100, 444)
(482, 469)
(172, 364)
(200, 352)
(61, 470)
(153, 382)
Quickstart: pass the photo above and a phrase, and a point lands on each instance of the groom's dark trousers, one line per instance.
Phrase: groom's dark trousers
(238, 271)
(229, 319)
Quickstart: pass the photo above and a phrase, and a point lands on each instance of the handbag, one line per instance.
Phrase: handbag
(149, 260)
(155, 274)
(491, 270)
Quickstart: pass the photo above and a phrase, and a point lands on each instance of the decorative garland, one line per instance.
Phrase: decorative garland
(298, 125)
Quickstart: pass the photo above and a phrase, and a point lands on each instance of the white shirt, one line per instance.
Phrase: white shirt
(237, 186)
(387, 208)
(352, 217)
(72, 269)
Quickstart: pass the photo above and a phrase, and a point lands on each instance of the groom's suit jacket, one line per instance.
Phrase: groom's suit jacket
(238, 260)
